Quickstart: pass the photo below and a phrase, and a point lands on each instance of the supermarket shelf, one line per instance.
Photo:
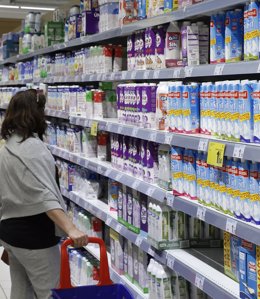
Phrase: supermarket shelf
(116, 277)
(225, 222)
(15, 82)
(204, 8)
(184, 262)
(57, 113)
(242, 229)
(10, 60)
(105, 168)
(195, 141)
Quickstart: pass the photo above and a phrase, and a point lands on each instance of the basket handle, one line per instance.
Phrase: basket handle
(104, 275)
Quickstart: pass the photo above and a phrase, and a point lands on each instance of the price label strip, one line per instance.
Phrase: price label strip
(153, 136)
(168, 138)
(231, 226)
(199, 281)
(138, 241)
(218, 71)
(170, 199)
(135, 184)
(239, 151)
(156, 74)
(146, 75)
(203, 145)
(150, 191)
(109, 221)
(170, 261)
(133, 75)
(188, 71)
(177, 73)
(201, 213)
(94, 128)
(216, 152)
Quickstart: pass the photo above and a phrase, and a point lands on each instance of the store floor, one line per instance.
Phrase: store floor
(5, 282)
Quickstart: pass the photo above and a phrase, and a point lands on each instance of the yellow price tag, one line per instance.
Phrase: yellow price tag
(216, 154)
(94, 128)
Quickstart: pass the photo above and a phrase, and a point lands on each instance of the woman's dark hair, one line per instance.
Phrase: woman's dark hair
(25, 115)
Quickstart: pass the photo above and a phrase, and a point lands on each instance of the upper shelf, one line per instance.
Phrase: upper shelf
(205, 8)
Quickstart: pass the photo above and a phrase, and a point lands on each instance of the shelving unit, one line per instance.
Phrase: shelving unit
(191, 264)
(240, 228)
(184, 262)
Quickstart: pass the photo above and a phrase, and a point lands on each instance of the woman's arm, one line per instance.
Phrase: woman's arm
(62, 221)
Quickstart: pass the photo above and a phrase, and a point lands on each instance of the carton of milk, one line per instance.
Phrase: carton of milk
(231, 255)
(217, 38)
(117, 257)
(193, 45)
(249, 263)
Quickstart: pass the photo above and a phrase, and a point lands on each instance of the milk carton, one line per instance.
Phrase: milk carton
(191, 121)
(193, 53)
(117, 257)
(203, 43)
(177, 170)
(173, 45)
(217, 38)
(231, 255)
(184, 42)
(164, 162)
(251, 21)
(130, 52)
(150, 46)
(175, 107)
(249, 255)
(246, 111)
(254, 192)
(160, 48)
(256, 109)
(162, 120)
(242, 202)
(149, 105)
(234, 36)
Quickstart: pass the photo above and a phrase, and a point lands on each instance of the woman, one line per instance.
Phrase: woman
(31, 205)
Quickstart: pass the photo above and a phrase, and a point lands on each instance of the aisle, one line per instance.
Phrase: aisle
(5, 283)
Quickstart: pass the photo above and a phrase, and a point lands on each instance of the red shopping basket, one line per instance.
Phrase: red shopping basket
(105, 289)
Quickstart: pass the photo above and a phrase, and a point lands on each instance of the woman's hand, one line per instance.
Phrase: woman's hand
(78, 237)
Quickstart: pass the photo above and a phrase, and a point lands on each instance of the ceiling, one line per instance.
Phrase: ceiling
(11, 13)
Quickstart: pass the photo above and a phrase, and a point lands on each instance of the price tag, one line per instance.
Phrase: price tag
(156, 74)
(170, 261)
(258, 68)
(216, 152)
(168, 139)
(124, 75)
(231, 226)
(199, 281)
(135, 132)
(203, 145)
(218, 71)
(138, 241)
(239, 150)
(91, 77)
(119, 177)
(109, 127)
(177, 73)
(170, 199)
(108, 172)
(153, 136)
(135, 184)
(94, 128)
(112, 76)
(150, 191)
(99, 169)
(188, 71)
(151, 251)
(133, 75)
(201, 212)
(146, 75)
(118, 227)
(79, 160)
(86, 163)
(119, 129)
(109, 221)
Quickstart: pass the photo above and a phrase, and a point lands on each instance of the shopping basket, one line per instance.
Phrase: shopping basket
(105, 289)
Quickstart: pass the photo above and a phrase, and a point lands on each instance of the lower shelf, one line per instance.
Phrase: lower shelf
(200, 267)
